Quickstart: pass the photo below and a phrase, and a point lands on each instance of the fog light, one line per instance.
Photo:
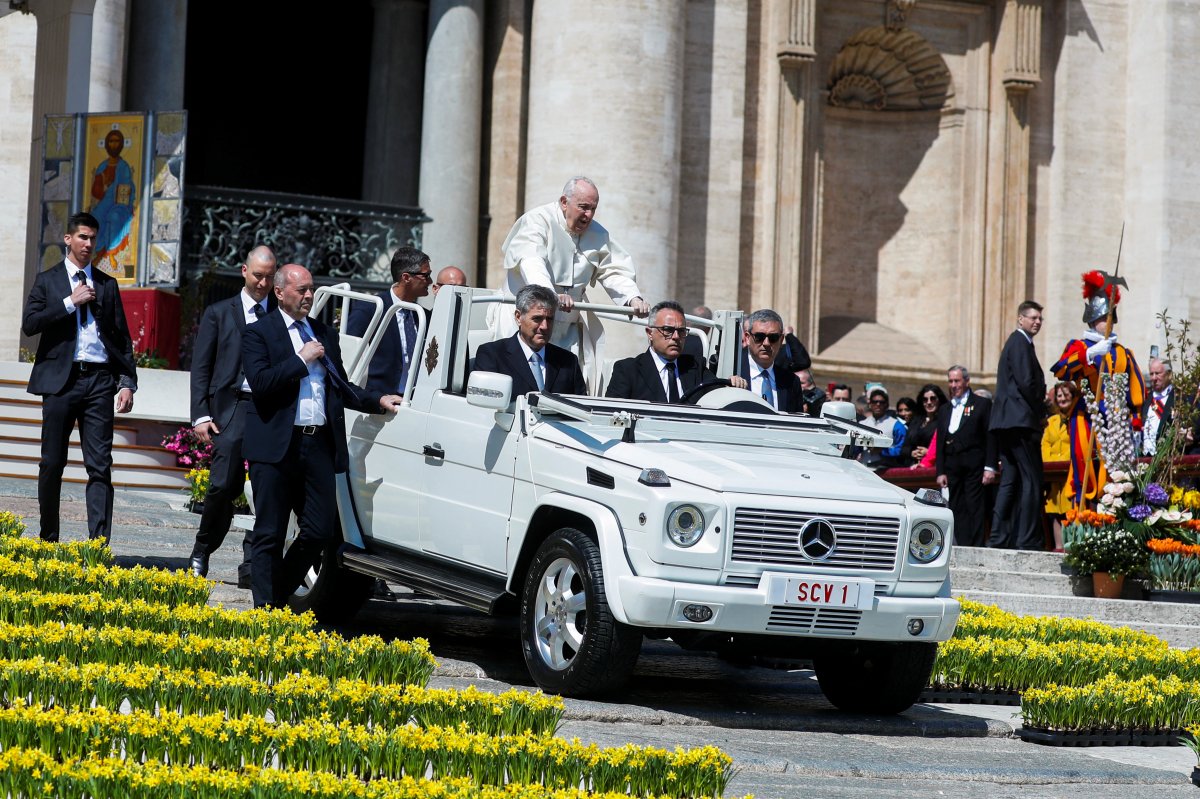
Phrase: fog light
(915, 626)
(703, 613)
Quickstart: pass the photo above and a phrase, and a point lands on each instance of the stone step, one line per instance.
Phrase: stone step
(123, 475)
(1011, 582)
(14, 389)
(32, 428)
(29, 408)
(1176, 623)
(123, 454)
(1006, 560)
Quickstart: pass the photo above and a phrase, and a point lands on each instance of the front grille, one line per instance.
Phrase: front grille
(762, 535)
(826, 621)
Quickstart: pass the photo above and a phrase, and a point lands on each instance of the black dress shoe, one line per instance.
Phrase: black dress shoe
(243, 575)
(200, 565)
(382, 591)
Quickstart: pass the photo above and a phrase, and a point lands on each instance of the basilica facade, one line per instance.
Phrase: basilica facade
(893, 176)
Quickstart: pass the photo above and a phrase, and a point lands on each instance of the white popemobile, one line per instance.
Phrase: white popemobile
(718, 523)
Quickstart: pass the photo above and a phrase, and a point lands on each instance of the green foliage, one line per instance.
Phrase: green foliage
(1108, 549)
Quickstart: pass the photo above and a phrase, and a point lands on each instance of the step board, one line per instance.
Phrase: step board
(122, 475)
(14, 389)
(123, 454)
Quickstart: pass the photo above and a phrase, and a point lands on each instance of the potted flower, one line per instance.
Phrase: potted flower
(1108, 553)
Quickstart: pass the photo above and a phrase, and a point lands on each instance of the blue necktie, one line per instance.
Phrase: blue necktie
(326, 361)
(410, 340)
(767, 393)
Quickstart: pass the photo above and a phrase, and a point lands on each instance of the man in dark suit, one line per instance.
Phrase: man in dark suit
(528, 356)
(411, 277)
(1159, 407)
(966, 456)
(663, 373)
(84, 357)
(761, 343)
(220, 395)
(1018, 415)
(295, 435)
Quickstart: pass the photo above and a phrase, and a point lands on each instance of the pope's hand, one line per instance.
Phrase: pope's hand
(640, 307)
(565, 302)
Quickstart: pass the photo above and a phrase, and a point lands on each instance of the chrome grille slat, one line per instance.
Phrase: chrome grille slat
(768, 536)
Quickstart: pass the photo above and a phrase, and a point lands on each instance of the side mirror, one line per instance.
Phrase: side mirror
(840, 410)
(490, 390)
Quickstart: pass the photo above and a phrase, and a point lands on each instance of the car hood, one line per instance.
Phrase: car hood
(738, 468)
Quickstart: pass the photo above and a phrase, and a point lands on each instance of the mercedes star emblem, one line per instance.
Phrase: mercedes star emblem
(817, 539)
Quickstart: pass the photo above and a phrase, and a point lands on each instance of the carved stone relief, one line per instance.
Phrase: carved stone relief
(889, 70)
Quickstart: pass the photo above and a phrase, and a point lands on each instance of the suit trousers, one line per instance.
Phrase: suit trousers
(227, 481)
(301, 483)
(967, 503)
(1017, 520)
(87, 399)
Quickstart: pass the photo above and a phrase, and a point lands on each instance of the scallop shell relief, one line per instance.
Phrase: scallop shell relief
(883, 70)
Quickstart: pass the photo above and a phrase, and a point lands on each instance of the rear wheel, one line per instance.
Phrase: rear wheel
(875, 677)
(333, 593)
(571, 642)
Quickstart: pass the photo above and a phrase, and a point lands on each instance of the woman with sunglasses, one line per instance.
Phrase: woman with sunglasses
(923, 427)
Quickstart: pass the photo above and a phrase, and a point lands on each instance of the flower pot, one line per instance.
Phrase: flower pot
(1106, 586)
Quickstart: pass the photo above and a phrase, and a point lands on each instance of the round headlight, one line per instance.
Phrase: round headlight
(926, 542)
(685, 525)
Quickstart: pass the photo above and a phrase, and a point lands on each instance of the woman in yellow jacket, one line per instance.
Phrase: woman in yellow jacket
(1056, 446)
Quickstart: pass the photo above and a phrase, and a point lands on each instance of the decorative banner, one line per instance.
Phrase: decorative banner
(127, 171)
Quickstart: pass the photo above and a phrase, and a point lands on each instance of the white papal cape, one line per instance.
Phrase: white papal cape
(539, 249)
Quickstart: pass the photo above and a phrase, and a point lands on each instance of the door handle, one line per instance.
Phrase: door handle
(434, 451)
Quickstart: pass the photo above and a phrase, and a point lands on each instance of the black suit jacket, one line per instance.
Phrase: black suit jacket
(217, 359)
(638, 377)
(45, 314)
(1020, 398)
(563, 375)
(971, 447)
(383, 375)
(275, 371)
(787, 385)
(1168, 411)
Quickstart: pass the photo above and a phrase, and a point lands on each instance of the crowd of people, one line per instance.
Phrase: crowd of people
(269, 388)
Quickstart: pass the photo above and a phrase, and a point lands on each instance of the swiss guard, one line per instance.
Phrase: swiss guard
(1087, 358)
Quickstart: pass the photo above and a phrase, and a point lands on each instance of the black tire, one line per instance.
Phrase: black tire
(332, 593)
(572, 644)
(875, 677)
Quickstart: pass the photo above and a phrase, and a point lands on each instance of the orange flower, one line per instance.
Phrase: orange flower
(1169, 546)
(1090, 518)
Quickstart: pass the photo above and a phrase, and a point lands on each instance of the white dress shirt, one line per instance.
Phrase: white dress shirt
(310, 406)
(756, 382)
(87, 342)
(667, 370)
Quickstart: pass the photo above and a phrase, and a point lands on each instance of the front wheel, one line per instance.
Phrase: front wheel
(875, 677)
(572, 644)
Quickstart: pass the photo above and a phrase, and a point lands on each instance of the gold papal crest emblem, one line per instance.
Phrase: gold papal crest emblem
(431, 355)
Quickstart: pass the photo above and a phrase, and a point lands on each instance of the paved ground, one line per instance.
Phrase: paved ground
(786, 740)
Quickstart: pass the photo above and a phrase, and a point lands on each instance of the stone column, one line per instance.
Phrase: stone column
(451, 131)
(604, 101)
(18, 36)
(60, 85)
(1010, 278)
(157, 46)
(392, 154)
(788, 285)
(110, 27)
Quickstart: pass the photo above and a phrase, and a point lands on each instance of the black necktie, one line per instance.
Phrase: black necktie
(258, 311)
(672, 382)
(326, 361)
(84, 313)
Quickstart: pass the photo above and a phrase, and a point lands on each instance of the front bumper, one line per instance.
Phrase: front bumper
(655, 603)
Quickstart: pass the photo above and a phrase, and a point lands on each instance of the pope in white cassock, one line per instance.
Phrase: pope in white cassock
(557, 245)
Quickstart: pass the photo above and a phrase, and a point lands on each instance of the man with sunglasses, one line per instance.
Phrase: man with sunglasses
(663, 373)
(761, 343)
(411, 278)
